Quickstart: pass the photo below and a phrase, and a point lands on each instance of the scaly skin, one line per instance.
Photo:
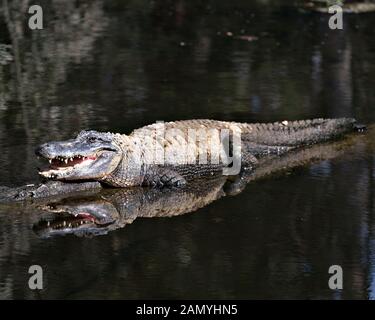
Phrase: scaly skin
(99, 212)
(124, 160)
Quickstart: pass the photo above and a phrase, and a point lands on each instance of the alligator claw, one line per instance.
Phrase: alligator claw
(360, 127)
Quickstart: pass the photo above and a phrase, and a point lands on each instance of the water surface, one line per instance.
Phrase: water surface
(116, 66)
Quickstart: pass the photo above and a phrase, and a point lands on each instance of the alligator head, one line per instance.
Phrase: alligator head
(82, 217)
(90, 156)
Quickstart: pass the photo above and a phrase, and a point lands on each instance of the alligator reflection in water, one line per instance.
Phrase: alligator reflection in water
(115, 208)
(98, 212)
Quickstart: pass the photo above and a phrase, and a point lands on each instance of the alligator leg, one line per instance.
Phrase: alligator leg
(164, 177)
(236, 184)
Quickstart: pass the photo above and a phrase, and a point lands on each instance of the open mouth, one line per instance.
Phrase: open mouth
(70, 222)
(61, 163)
(64, 222)
(61, 221)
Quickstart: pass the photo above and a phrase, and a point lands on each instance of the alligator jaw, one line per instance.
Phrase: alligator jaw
(79, 216)
(61, 164)
(65, 224)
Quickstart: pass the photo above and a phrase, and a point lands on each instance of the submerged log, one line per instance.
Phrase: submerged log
(45, 190)
(347, 7)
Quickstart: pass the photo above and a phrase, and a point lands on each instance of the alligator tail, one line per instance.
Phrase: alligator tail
(298, 133)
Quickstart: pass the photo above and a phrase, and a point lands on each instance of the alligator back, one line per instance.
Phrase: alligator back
(285, 133)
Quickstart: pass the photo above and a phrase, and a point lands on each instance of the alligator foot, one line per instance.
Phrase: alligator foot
(360, 127)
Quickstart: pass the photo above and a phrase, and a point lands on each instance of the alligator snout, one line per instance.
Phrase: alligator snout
(49, 150)
(55, 149)
(42, 150)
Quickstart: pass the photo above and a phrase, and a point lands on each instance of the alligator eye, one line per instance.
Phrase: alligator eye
(92, 139)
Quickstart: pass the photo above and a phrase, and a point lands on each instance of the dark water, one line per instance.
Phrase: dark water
(115, 66)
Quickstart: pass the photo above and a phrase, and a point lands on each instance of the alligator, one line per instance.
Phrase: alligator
(120, 160)
(94, 160)
(96, 212)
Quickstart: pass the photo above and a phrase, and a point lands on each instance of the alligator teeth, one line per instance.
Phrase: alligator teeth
(64, 223)
(66, 161)
(71, 159)
(50, 161)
